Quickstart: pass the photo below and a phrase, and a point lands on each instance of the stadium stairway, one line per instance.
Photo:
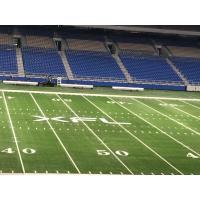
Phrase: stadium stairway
(66, 65)
(123, 69)
(20, 64)
(182, 77)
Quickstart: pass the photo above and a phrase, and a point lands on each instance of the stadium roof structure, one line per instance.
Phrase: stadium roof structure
(162, 29)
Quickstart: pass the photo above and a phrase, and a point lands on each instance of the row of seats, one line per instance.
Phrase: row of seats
(189, 67)
(8, 61)
(99, 65)
(40, 42)
(149, 68)
(85, 45)
(93, 64)
(178, 51)
(42, 61)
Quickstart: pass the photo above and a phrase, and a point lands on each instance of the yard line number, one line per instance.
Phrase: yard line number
(107, 153)
(26, 151)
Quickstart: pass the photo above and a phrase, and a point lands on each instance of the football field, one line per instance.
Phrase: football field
(79, 133)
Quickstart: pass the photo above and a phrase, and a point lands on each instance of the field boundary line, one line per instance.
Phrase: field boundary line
(98, 95)
(13, 131)
(168, 117)
(69, 156)
(135, 137)
(101, 141)
(154, 126)
(182, 111)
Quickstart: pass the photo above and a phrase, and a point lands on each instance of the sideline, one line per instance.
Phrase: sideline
(98, 95)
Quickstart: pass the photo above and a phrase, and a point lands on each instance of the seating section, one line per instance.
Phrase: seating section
(94, 65)
(178, 51)
(90, 59)
(39, 42)
(6, 39)
(42, 61)
(86, 45)
(137, 47)
(190, 67)
(149, 68)
(8, 60)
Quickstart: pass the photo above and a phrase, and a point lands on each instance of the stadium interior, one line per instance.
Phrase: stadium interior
(102, 56)
(119, 101)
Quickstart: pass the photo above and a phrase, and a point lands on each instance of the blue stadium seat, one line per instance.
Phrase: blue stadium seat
(42, 61)
(94, 64)
(189, 67)
(149, 68)
(8, 60)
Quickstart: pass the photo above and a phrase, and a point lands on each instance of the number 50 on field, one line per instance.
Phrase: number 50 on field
(107, 153)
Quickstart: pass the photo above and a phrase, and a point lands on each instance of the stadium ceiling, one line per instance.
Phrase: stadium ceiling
(162, 29)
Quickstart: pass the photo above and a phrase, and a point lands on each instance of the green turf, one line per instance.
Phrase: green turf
(123, 135)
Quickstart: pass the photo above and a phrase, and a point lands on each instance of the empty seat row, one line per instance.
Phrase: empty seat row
(85, 45)
(189, 67)
(40, 42)
(42, 61)
(8, 60)
(149, 68)
(178, 51)
(93, 64)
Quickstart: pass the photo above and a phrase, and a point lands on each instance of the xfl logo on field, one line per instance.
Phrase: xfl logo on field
(78, 119)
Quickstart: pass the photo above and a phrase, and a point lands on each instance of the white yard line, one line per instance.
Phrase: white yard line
(14, 135)
(138, 116)
(190, 104)
(59, 140)
(168, 117)
(135, 137)
(182, 111)
(99, 139)
(98, 95)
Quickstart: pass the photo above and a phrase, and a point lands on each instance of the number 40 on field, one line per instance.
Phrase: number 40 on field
(26, 151)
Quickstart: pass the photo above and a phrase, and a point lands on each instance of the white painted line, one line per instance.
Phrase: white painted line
(190, 104)
(100, 140)
(182, 111)
(168, 117)
(59, 140)
(14, 135)
(165, 133)
(98, 95)
(135, 137)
